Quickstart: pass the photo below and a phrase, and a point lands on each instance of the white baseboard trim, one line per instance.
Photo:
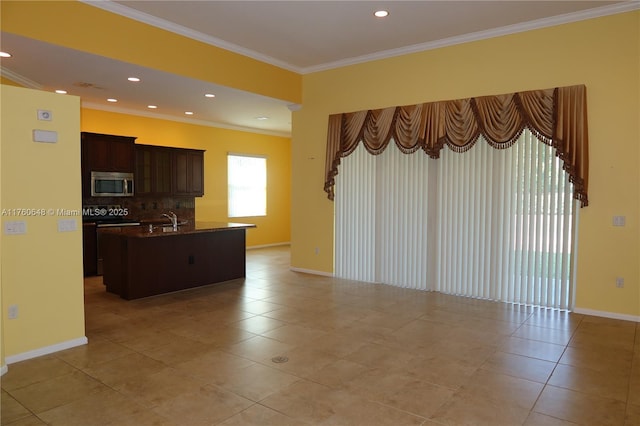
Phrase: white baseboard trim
(605, 314)
(311, 271)
(46, 350)
(268, 245)
(3, 370)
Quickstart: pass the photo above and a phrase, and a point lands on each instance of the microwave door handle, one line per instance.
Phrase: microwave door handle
(126, 186)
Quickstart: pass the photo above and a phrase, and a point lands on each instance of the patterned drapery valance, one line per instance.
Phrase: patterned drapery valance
(558, 117)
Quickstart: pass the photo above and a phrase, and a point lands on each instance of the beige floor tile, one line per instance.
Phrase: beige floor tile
(615, 361)
(580, 408)
(151, 390)
(95, 353)
(533, 349)
(258, 348)
(258, 415)
(213, 367)
(36, 370)
(338, 374)
(359, 354)
(532, 332)
(502, 388)
(11, 410)
(537, 419)
(442, 371)
(179, 349)
(120, 370)
(603, 384)
(632, 415)
(465, 409)
(257, 381)
(102, 408)
(533, 369)
(209, 405)
(48, 394)
(30, 420)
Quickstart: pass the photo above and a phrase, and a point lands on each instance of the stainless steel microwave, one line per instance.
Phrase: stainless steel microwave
(111, 184)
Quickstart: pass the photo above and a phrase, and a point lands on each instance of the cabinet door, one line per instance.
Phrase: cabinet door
(144, 170)
(122, 155)
(108, 153)
(196, 160)
(162, 171)
(181, 172)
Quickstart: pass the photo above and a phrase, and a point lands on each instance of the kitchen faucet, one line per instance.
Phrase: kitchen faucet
(174, 219)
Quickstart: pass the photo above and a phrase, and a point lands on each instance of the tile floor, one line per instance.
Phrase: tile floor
(358, 354)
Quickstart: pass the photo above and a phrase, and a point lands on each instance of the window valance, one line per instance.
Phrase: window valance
(558, 117)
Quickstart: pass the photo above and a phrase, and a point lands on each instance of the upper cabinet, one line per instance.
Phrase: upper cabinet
(107, 153)
(188, 172)
(169, 171)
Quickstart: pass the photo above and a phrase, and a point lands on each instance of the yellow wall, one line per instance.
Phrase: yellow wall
(42, 269)
(86, 28)
(601, 53)
(271, 229)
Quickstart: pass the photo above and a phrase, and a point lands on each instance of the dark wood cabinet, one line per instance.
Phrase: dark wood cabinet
(169, 171)
(153, 170)
(188, 172)
(89, 249)
(105, 153)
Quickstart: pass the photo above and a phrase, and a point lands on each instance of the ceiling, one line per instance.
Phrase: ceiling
(301, 36)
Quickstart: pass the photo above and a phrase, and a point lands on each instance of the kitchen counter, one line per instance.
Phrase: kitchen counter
(165, 229)
(138, 263)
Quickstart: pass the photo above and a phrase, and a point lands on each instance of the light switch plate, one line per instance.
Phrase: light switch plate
(67, 225)
(15, 227)
(619, 221)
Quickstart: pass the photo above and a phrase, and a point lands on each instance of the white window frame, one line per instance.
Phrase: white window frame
(246, 192)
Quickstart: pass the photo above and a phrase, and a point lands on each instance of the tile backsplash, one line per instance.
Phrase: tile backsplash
(148, 208)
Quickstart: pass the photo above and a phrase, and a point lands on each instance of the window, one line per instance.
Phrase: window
(247, 180)
(487, 223)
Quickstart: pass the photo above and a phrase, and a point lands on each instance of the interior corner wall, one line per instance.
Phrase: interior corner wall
(41, 268)
(272, 229)
(602, 53)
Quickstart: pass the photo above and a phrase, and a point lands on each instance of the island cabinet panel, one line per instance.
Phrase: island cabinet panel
(139, 266)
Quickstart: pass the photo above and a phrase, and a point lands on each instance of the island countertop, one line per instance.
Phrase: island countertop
(164, 230)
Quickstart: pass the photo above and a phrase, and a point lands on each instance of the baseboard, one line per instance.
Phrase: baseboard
(268, 245)
(3, 370)
(311, 271)
(46, 350)
(605, 314)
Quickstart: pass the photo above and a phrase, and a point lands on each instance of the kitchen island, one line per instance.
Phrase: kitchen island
(142, 261)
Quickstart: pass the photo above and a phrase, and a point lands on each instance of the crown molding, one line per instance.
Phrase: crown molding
(21, 80)
(145, 18)
(128, 12)
(483, 35)
(119, 110)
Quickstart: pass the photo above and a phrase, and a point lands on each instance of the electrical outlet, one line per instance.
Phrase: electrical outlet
(13, 312)
(619, 282)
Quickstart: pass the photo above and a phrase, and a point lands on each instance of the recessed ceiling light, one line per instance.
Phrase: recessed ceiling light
(152, 106)
(112, 100)
(5, 55)
(262, 117)
(210, 95)
(188, 112)
(136, 79)
(62, 92)
(381, 13)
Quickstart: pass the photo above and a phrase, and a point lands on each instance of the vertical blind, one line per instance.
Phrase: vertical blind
(486, 223)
